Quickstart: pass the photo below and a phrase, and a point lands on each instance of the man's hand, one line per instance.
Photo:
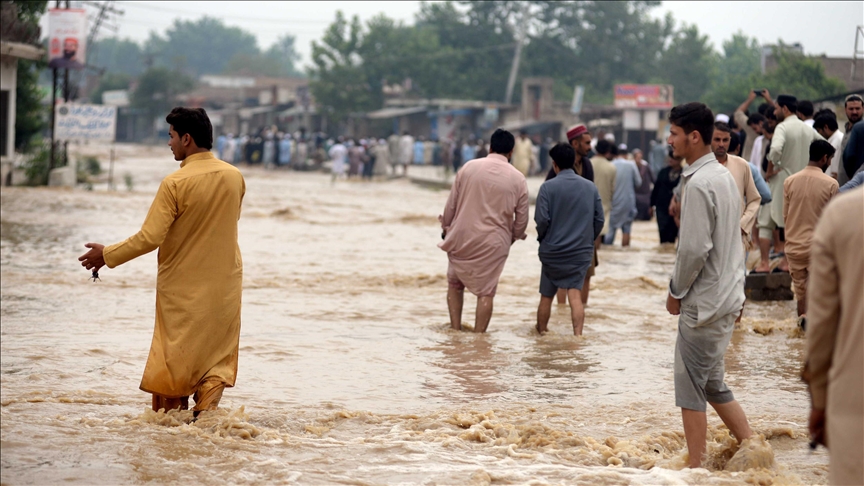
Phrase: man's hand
(767, 96)
(93, 259)
(771, 172)
(674, 207)
(673, 305)
(816, 425)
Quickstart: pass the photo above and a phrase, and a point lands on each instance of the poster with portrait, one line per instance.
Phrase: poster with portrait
(644, 96)
(67, 38)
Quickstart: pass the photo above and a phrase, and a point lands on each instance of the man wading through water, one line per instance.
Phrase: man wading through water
(707, 286)
(193, 223)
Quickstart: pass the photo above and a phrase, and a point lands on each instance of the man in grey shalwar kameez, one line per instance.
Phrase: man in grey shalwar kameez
(569, 217)
(707, 287)
(627, 180)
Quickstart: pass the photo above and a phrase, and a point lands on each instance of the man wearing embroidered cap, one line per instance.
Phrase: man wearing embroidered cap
(193, 223)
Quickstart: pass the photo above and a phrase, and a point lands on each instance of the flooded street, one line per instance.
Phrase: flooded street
(348, 371)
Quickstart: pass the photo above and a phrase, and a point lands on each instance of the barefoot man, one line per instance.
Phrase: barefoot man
(569, 217)
(193, 223)
(487, 211)
(707, 287)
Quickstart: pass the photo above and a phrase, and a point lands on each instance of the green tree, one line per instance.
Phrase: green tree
(474, 54)
(202, 46)
(110, 81)
(284, 53)
(688, 64)
(158, 89)
(735, 75)
(593, 43)
(800, 75)
(120, 56)
(337, 78)
(279, 60)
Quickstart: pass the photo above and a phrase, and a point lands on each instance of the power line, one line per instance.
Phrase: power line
(227, 17)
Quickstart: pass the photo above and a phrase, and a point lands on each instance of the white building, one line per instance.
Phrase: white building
(10, 52)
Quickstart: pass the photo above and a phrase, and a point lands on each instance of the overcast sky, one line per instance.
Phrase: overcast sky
(821, 27)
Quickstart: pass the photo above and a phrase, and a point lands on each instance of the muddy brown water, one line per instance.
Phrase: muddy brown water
(348, 372)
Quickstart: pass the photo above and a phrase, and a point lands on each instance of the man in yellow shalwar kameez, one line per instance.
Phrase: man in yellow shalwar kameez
(193, 222)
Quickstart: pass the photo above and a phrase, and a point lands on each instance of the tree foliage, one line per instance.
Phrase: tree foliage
(118, 56)
(30, 116)
(110, 81)
(688, 64)
(201, 46)
(278, 60)
(157, 90)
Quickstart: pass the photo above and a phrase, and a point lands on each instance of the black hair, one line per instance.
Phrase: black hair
(755, 118)
(613, 149)
(734, 143)
(826, 111)
(722, 127)
(193, 121)
(769, 115)
(825, 120)
(792, 106)
(502, 142)
(603, 146)
(694, 117)
(733, 124)
(563, 155)
(819, 149)
(805, 107)
(763, 108)
(768, 127)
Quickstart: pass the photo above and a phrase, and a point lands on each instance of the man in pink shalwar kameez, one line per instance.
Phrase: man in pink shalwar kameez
(487, 211)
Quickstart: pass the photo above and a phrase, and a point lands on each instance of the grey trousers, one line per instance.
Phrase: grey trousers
(699, 368)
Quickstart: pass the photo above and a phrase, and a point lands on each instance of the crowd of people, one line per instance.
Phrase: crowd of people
(712, 195)
(707, 190)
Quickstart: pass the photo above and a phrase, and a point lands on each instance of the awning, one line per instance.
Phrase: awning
(298, 110)
(21, 51)
(395, 112)
(603, 122)
(530, 126)
(246, 113)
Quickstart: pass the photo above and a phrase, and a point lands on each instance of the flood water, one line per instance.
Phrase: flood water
(348, 371)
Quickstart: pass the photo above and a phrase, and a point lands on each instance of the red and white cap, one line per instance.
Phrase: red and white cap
(576, 131)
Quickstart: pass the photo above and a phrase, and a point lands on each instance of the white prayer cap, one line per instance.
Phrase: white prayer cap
(722, 118)
(610, 137)
(622, 147)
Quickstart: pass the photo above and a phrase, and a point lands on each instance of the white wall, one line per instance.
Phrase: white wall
(8, 78)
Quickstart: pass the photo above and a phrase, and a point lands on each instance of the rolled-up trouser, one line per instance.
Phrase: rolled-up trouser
(699, 368)
(766, 222)
(798, 268)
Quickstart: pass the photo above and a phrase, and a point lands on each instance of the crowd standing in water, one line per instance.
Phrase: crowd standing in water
(706, 197)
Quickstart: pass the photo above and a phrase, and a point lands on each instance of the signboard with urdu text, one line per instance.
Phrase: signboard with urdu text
(67, 38)
(79, 122)
(643, 96)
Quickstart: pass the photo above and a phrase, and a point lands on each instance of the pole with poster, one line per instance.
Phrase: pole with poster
(67, 41)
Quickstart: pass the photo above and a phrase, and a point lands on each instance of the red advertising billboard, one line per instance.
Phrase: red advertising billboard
(648, 96)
